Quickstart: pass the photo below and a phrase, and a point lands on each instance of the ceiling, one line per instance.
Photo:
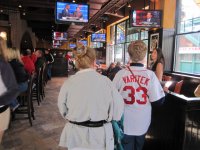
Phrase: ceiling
(40, 17)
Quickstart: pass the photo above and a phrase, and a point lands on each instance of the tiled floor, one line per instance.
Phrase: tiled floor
(46, 129)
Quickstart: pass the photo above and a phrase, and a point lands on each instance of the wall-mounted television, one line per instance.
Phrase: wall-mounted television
(71, 12)
(72, 46)
(56, 43)
(84, 42)
(98, 37)
(145, 18)
(60, 36)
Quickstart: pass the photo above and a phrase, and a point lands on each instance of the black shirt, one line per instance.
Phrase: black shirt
(19, 70)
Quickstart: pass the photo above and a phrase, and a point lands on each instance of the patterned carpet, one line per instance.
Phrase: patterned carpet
(46, 129)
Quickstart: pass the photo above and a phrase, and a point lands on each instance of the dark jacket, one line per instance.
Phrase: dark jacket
(49, 58)
(8, 79)
(19, 70)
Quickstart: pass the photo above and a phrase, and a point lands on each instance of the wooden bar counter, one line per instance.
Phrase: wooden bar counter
(175, 125)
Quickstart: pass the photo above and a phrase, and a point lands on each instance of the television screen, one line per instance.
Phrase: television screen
(72, 45)
(145, 18)
(56, 43)
(60, 36)
(84, 42)
(71, 12)
(98, 37)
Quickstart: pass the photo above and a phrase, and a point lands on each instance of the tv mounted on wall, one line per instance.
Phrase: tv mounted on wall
(71, 12)
(60, 36)
(98, 37)
(145, 18)
(84, 42)
(72, 46)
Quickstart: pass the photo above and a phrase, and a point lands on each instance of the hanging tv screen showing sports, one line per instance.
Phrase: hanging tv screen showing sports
(84, 42)
(98, 37)
(145, 18)
(60, 36)
(71, 12)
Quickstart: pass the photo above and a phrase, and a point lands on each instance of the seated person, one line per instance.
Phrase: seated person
(20, 73)
(78, 13)
(65, 12)
(27, 61)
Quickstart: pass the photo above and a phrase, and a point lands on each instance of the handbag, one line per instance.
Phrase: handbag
(118, 133)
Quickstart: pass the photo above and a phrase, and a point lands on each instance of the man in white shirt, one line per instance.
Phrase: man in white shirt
(139, 87)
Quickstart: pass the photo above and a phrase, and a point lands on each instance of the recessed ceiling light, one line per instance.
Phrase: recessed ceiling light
(23, 13)
(129, 5)
(1, 10)
(20, 6)
(73, 1)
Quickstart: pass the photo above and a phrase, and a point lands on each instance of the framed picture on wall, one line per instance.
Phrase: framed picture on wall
(154, 41)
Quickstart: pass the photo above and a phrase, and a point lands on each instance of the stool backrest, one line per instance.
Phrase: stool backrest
(178, 87)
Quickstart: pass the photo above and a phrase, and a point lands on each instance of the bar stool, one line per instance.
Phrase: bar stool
(36, 89)
(26, 103)
(166, 78)
(178, 87)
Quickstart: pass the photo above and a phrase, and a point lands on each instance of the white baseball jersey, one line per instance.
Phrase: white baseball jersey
(137, 112)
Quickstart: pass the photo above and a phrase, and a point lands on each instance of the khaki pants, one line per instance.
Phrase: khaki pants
(4, 122)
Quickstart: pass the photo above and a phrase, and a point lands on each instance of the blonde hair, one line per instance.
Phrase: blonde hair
(84, 56)
(3, 48)
(137, 50)
(14, 54)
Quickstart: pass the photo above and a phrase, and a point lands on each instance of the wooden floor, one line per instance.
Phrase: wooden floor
(46, 129)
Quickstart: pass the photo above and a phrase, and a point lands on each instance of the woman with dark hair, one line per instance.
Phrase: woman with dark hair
(158, 63)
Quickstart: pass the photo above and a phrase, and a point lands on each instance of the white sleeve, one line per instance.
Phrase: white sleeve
(52, 58)
(155, 91)
(116, 81)
(62, 100)
(118, 104)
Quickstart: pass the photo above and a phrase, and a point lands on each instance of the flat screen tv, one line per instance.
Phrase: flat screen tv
(72, 46)
(145, 18)
(84, 42)
(56, 43)
(60, 36)
(67, 12)
(98, 37)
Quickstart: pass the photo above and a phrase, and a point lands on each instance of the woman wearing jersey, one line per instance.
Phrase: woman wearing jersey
(158, 63)
(139, 87)
(89, 102)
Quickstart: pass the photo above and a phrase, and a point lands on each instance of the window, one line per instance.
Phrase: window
(187, 56)
(120, 38)
(119, 49)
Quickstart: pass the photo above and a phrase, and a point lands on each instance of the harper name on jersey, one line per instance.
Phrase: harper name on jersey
(137, 78)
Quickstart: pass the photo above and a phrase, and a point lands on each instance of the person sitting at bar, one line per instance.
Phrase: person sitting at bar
(27, 61)
(20, 73)
(89, 101)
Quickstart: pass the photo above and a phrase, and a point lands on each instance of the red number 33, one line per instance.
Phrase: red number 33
(131, 94)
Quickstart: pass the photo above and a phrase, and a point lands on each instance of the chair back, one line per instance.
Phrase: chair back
(178, 87)
(166, 78)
